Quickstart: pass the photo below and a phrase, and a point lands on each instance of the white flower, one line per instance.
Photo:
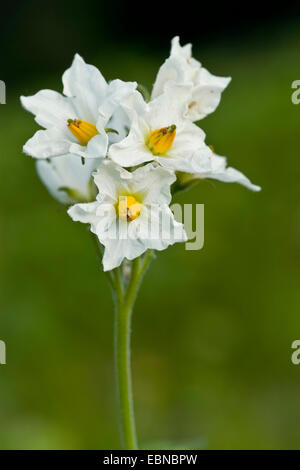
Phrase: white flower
(67, 179)
(219, 171)
(182, 68)
(131, 213)
(159, 132)
(75, 123)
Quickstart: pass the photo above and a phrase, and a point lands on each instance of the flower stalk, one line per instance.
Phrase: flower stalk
(125, 300)
(123, 317)
(124, 292)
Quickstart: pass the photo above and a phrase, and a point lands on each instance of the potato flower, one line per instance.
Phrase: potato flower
(182, 68)
(131, 212)
(117, 158)
(75, 122)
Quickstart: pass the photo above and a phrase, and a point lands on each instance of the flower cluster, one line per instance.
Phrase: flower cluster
(115, 157)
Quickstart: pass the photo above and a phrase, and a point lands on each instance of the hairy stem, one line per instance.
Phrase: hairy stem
(124, 309)
(124, 295)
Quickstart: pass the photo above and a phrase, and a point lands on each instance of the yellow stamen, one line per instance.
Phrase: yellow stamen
(82, 130)
(129, 208)
(161, 140)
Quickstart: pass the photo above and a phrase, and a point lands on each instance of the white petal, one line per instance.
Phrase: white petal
(193, 162)
(140, 238)
(135, 105)
(128, 153)
(132, 150)
(85, 213)
(119, 245)
(170, 107)
(86, 85)
(96, 147)
(137, 110)
(153, 183)
(178, 50)
(189, 153)
(182, 68)
(117, 92)
(50, 108)
(47, 143)
(117, 250)
(206, 95)
(227, 175)
(113, 254)
(170, 72)
(67, 171)
(157, 228)
(106, 218)
(188, 139)
(121, 123)
(178, 68)
(111, 179)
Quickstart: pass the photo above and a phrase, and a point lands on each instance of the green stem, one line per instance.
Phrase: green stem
(124, 309)
(124, 302)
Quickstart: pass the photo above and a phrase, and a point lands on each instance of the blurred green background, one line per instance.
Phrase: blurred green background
(212, 329)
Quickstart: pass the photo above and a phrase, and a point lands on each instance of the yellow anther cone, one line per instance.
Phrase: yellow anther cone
(83, 131)
(161, 140)
(129, 208)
